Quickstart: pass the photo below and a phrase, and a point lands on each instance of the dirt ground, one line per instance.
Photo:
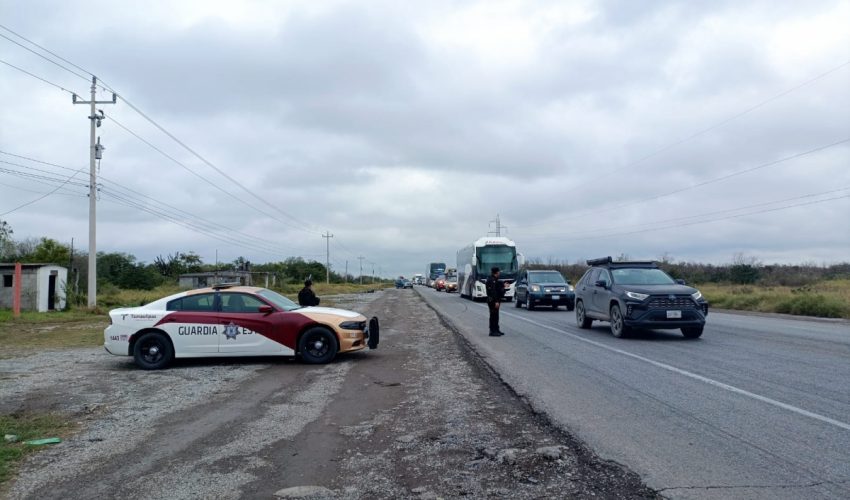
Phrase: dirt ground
(420, 417)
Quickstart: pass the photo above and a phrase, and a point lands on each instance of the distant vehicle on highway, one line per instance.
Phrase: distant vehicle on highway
(440, 283)
(433, 271)
(234, 321)
(418, 279)
(637, 295)
(475, 261)
(401, 282)
(451, 284)
(544, 288)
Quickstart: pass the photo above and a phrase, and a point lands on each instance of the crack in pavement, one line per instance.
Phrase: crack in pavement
(754, 486)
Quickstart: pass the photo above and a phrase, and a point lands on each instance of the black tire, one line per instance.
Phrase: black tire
(693, 332)
(153, 351)
(517, 302)
(529, 305)
(554, 307)
(581, 317)
(374, 333)
(571, 306)
(618, 325)
(317, 346)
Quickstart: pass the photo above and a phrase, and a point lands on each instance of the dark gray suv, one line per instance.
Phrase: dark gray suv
(544, 288)
(638, 295)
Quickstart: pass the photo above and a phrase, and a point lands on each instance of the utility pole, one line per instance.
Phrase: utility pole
(361, 268)
(327, 236)
(373, 273)
(95, 151)
(346, 271)
(499, 226)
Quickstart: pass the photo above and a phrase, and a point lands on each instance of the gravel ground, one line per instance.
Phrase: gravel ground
(421, 417)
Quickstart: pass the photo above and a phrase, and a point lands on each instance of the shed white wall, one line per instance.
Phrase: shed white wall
(43, 287)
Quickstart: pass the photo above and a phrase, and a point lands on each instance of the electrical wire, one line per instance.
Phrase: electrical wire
(688, 217)
(725, 121)
(44, 57)
(108, 183)
(38, 77)
(45, 195)
(693, 186)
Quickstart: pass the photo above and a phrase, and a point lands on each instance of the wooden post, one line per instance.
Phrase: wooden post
(16, 292)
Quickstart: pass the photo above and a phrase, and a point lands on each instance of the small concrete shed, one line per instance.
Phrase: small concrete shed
(42, 286)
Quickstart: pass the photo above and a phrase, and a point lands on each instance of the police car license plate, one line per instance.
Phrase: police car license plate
(674, 314)
(556, 297)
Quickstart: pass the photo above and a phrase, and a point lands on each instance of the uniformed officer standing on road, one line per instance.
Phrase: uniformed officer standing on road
(495, 292)
(307, 297)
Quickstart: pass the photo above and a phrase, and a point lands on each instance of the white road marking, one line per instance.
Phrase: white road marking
(709, 381)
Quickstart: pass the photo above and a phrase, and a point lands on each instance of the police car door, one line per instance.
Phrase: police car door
(238, 313)
(192, 324)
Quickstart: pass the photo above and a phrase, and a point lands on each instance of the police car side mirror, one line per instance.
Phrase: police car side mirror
(681, 282)
(266, 309)
(601, 283)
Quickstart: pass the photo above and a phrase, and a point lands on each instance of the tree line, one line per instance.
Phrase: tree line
(741, 270)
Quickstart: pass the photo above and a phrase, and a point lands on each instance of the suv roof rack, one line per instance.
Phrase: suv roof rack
(608, 261)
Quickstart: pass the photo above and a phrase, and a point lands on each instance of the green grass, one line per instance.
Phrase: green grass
(826, 299)
(27, 427)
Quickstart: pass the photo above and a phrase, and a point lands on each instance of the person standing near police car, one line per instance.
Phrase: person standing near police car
(495, 293)
(307, 297)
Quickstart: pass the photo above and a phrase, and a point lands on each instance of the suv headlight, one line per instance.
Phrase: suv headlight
(535, 288)
(636, 296)
(570, 288)
(696, 295)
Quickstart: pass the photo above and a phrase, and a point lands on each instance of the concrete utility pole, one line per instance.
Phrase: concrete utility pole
(328, 237)
(95, 151)
(361, 269)
(346, 271)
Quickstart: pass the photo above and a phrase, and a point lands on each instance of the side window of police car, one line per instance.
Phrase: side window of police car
(193, 303)
(240, 303)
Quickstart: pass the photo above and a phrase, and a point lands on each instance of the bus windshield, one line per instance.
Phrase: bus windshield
(502, 256)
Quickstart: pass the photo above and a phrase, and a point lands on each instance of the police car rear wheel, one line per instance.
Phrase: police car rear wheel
(317, 346)
(153, 351)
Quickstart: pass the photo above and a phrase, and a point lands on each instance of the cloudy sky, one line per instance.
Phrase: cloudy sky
(695, 129)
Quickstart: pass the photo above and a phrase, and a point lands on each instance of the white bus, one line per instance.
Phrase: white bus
(475, 261)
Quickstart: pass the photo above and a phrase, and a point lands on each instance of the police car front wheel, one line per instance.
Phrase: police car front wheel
(317, 346)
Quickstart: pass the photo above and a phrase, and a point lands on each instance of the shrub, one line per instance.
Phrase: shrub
(813, 305)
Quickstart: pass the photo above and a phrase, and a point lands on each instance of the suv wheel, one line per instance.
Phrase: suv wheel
(618, 324)
(692, 332)
(581, 317)
(517, 302)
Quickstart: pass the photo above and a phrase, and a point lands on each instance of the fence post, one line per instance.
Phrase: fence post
(16, 292)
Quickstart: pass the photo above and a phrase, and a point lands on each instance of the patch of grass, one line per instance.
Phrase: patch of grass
(27, 427)
(826, 299)
(75, 328)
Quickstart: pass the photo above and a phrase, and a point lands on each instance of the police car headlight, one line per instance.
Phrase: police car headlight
(636, 296)
(535, 288)
(570, 288)
(353, 325)
(696, 295)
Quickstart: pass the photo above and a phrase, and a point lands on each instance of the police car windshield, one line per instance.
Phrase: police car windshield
(641, 277)
(279, 300)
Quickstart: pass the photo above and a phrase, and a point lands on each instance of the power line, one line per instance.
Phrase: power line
(47, 50)
(199, 176)
(697, 185)
(38, 77)
(572, 235)
(726, 120)
(45, 195)
(43, 56)
(211, 225)
(303, 225)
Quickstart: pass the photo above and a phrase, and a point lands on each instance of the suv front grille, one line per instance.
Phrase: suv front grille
(664, 302)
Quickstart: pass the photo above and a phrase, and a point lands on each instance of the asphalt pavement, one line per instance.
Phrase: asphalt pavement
(758, 407)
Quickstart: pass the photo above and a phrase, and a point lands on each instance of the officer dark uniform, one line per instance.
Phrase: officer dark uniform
(495, 292)
(306, 297)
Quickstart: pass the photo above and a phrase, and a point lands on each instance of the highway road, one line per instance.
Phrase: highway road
(759, 407)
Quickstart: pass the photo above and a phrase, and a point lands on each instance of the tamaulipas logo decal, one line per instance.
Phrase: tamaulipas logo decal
(231, 331)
